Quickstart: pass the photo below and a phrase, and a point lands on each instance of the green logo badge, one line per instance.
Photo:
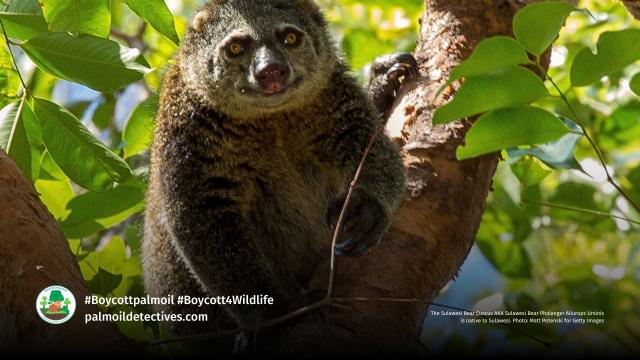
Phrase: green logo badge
(55, 304)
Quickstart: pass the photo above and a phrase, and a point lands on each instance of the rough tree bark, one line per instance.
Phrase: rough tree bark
(430, 236)
(34, 254)
(634, 7)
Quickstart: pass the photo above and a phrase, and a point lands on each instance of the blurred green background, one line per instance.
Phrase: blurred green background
(527, 257)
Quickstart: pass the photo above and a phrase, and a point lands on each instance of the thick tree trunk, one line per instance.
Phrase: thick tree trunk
(34, 254)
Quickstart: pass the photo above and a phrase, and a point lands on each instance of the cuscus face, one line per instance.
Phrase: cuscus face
(255, 57)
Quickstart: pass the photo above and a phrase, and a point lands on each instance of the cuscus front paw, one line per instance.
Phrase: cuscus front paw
(385, 78)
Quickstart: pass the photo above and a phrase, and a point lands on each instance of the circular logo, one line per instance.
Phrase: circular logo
(55, 304)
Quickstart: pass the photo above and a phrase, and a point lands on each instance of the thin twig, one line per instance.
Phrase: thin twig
(388, 300)
(582, 210)
(610, 178)
(335, 302)
(136, 40)
(121, 35)
(14, 126)
(13, 58)
(603, 162)
(347, 200)
(223, 333)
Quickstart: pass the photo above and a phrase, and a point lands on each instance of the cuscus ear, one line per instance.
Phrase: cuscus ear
(199, 20)
(312, 8)
(204, 14)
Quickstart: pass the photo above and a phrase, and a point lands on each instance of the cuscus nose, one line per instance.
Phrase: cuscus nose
(272, 77)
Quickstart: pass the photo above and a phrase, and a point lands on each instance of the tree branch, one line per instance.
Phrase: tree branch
(35, 254)
(634, 7)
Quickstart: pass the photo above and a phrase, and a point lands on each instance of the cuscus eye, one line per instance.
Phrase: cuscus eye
(235, 49)
(291, 39)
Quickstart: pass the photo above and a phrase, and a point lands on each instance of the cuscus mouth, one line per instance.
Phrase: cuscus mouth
(273, 89)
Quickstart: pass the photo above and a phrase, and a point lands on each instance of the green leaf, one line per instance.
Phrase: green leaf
(491, 54)
(100, 64)
(635, 84)
(558, 154)
(616, 50)
(138, 132)
(104, 114)
(78, 108)
(24, 6)
(116, 205)
(78, 16)
(54, 187)
(82, 157)
(622, 127)
(633, 179)
(50, 170)
(21, 137)
(537, 25)
(157, 14)
(9, 80)
(505, 87)
(104, 282)
(55, 194)
(510, 127)
(23, 19)
(8, 117)
(111, 256)
(529, 171)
